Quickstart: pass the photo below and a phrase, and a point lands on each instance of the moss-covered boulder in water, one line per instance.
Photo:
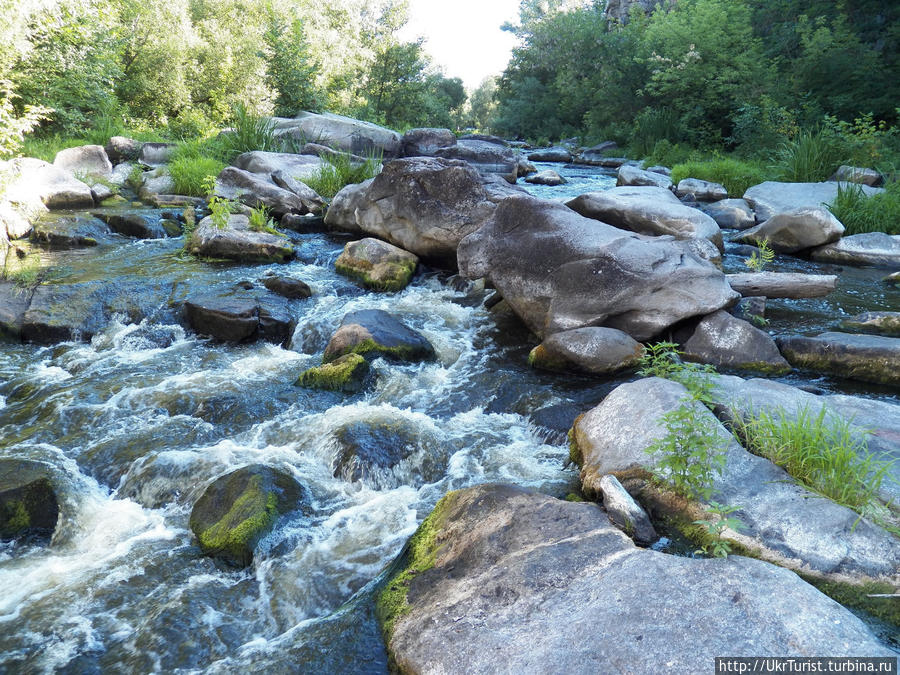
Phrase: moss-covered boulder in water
(238, 509)
(348, 373)
(377, 264)
(373, 333)
(28, 504)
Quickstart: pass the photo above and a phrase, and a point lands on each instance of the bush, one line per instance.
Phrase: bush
(339, 170)
(811, 157)
(669, 154)
(650, 127)
(860, 213)
(736, 175)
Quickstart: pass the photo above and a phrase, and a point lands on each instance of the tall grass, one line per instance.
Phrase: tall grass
(812, 156)
(340, 170)
(192, 165)
(650, 126)
(736, 175)
(821, 452)
(249, 132)
(861, 213)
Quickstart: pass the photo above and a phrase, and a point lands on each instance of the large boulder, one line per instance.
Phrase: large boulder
(734, 214)
(374, 333)
(86, 160)
(237, 241)
(377, 264)
(870, 358)
(347, 373)
(121, 149)
(878, 323)
(312, 201)
(339, 132)
(138, 224)
(29, 508)
(597, 152)
(701, 190)
(773, 197)
(62, 231)
(34, 184)
(253, 189)
(238, 509)
(240, 316)
(14, 224)
(725, 341)
(504, 578)
(633, 176)
(647, 210)
(782, 284)
(559, 270)
(871, 248)
(156, 154)
(14, 302)
(594, 350)
(795, 230)
(155, 183)
(486, 157)
(546, 177)
(299, 167)
(426, 142)
(782, 520)
(421, 204)
(856, 174)
(555, 154)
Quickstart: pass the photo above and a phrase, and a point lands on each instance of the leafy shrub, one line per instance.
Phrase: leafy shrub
(669, 154)
(736, 175)
(719, 547)
(664, 360)
(861, 213)
(651, 126)
(14, 126)
(340, 170)
(219, 208)
(761, 257)
(810, 157)
(759, 127)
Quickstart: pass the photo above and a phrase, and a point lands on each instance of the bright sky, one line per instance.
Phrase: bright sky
(464, 36)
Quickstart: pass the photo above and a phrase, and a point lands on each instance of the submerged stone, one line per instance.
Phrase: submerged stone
(869, 358)
(238, 509)
(373, 333)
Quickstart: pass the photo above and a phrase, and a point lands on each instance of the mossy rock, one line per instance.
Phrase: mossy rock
(348, 373)
(373, 333)
(377, 264)
(28, 504)
(238, 509)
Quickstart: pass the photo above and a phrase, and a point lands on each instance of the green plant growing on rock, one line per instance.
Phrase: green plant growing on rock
(719, 547)
(219, 208)
(860, 213)
(261, 222)
(663, 359)
(691, 453)
(340, 170)
(21, 268)
(761, 257)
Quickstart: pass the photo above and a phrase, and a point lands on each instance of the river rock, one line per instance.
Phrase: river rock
(773, 197)
(368, 451)
(239, 316)
(425, 142)
(14, 302)
(29, 508)
(330, 154)
(664, 170)
(633, 176)
(287, 287)
(486, 157)
(377, 264)
(138, 225)
(121, 173)
(751, 309)
(598, 351)
(647, 210)
(879, 323)
(156, 182)
(728, 342)
(312, 201)
(423, 205)
(238, 509)
(525, 168)
(733, 214)
(374, 333)
(347, 373)
(504, 575)
(546, 177)
(33, 183)
(238, 242)
(875, 423)
(870, 358)
(13, 223)
(782, 284)
(59, 231)
(625, 513)
(597, 152)
(121, 149)
(556, 154)
(341, 133)
(253, 189)
(782, 520)
(156, 154)
(86, 160)
(701, 190)
(795, 230)
(299, 167)
(892, 279)
(855, 174)
(871, 248)
(559, 271)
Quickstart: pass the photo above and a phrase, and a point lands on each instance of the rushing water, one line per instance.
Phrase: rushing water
(138, 421)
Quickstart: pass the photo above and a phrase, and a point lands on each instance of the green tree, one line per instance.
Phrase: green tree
(290, 68)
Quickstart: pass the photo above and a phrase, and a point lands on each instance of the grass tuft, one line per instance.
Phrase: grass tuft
(340, 170)
(810, 157)
(861, 213)
(736, 175)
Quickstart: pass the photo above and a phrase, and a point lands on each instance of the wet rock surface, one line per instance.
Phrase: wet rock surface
(373, 333)
(870, 358)
(724, 341)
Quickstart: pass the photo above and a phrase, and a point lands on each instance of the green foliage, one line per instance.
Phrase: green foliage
(652, 126)
(759, 126)
(761, 257)
(736, 175)
(290, 68)
(821, 451)
(719, 547)
(191, 169)
(669, 154)
(664, 360)
(14, 125)
(260, 220)
(810, 157)
(220, 209)
(340, 170)
(692, 452)
(249, 132)
(24, 271)
(861, 213)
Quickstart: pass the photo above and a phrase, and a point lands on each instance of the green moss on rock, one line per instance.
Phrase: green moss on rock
(346, 373)
(394, 276)
(857, 597)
